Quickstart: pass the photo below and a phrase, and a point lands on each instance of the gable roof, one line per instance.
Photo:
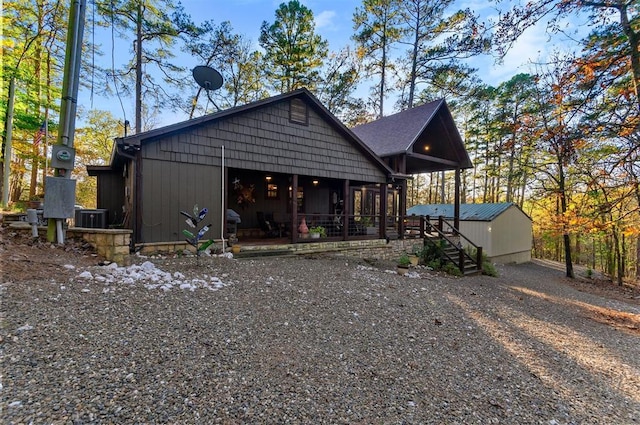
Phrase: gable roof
(411, 131)
(469, 212)
(394, 134)
(137, 140)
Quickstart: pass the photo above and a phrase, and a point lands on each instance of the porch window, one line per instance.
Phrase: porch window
(272, 191)
(357, 202)
(298, 112)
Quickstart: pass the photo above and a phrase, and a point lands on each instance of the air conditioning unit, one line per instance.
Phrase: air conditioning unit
(92, 219)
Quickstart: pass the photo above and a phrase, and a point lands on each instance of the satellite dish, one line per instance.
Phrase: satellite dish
(208, 78)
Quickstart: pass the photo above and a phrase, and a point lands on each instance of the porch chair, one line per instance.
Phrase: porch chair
(269, 227)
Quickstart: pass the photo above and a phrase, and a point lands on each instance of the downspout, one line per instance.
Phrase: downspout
(223, 209)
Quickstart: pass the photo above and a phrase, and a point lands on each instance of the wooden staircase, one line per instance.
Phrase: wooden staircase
(458, 256)
(448, 243)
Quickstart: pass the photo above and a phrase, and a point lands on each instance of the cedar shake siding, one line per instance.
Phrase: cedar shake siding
(265, 140)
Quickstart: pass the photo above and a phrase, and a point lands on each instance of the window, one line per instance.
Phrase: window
(298, 112)
(272, 191)
(357, 202)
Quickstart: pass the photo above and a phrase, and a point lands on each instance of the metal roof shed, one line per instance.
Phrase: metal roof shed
(503, 230)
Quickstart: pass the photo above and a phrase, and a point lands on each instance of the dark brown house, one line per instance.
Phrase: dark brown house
(277, 162)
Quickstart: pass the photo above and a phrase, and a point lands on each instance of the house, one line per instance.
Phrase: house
(503, 230)
(279, 163)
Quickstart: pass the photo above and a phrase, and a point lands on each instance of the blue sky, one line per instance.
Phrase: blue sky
(334, 23)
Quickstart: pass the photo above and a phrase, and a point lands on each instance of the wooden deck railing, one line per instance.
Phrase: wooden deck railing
(434, 230)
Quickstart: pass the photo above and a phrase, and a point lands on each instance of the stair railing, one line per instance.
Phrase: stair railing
(427, 227)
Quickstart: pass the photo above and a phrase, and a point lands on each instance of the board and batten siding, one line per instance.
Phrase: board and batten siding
(170, 187)
(512, 243)
(111, 195)
(265, 140)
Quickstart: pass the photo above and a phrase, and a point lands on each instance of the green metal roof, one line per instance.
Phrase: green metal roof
(470, 212)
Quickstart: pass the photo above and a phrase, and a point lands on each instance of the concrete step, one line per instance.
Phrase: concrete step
(257, 253)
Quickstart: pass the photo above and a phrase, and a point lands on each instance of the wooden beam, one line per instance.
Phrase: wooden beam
(433, 159)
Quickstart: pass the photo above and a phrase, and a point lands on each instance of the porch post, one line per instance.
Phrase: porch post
(294, 208)
(137, 206)
(382, 229)
(402, 211)
(346, 210)
(456, 208)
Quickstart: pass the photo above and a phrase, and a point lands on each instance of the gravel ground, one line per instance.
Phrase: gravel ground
(319, 339)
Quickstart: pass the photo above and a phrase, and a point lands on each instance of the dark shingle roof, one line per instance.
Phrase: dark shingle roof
(396, 133)
(471, 212)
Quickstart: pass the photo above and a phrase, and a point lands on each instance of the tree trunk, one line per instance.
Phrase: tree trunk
(638, 258)
(414, 61)
(139, 69)
(634, 45)
(618, 256)
(565, 229)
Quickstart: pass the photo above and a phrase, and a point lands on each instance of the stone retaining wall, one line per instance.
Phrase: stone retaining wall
(112, 244)
(371, 248)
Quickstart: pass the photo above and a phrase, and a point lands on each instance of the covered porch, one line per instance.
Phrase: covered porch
(420, 140)
(290, 208)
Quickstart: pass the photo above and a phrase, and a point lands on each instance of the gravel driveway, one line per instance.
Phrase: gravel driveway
(313, 340)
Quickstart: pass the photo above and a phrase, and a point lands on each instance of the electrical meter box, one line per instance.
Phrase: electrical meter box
(63, 157)
(59, 198)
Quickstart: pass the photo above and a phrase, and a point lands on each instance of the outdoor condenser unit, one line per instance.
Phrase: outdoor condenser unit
(92, 219)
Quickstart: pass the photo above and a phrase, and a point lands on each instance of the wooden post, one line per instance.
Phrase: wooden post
(456, 207)
(479, 258)
(382, 229)
(346, 210)
(402, 211)
(294, 208)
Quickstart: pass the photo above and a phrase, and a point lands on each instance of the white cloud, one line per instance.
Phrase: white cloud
(325, 18)
(532, 45)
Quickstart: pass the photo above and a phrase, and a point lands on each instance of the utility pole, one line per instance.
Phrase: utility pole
(60, 189)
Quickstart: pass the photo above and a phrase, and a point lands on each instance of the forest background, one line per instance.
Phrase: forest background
(560, 140)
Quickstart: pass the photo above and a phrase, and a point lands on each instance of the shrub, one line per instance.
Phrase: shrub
(404, 260)
(431, 252)
(488, 268)
(451, 269)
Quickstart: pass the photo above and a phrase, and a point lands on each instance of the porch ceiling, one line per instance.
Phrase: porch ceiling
(418, 164)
